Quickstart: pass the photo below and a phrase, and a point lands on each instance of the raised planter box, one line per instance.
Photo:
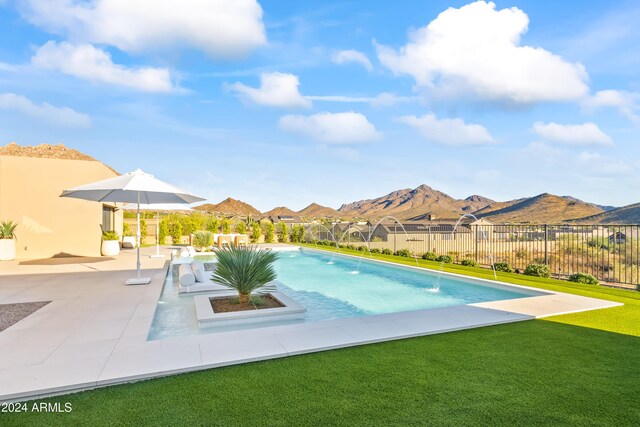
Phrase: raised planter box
(207, 318)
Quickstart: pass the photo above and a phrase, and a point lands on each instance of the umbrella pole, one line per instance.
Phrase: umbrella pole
(138, 280)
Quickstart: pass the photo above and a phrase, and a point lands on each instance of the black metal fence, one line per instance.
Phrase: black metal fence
(611, 253)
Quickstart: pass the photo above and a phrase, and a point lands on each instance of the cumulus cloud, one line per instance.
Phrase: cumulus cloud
(62, 116)
(223, 28)
(449, 131)
(332, 128)
(476, 50)
(276, 90)
(585, 134)
(90, 63)
(625, 102)
(384, 99)
(353, 56)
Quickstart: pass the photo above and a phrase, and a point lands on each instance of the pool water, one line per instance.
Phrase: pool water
(333, 286)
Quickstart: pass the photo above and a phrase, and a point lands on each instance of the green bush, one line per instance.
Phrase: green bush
(188, 226)
(447, 259)
(469, 262)
(175, 231)
(375, 251)
(269, 232)
(283, 233)
(296, 235)
(126, 230)
(503, 266)
(387, 251)
(256, 232)
(241, 227)
(163, 231)
(362, 248)
(326, 242)
(143, 230)
(213, 224)
(110, 235)
(226, 226)
(203, 239)
(584, 278)
(404, 253)
(429, 256)
(537, 270)
(350, 246)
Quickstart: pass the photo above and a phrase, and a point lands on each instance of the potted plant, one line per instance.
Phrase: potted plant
(7, 241)
(128, 237)
(110, 243)
(244, 269)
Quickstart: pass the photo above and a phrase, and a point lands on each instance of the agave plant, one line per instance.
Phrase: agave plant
(244, 269)
(7, 230)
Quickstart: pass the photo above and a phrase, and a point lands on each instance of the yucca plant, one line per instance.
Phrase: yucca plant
(110, 235)
(7, 230)
(244, 269)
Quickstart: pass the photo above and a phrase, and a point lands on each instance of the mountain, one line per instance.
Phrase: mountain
(229, 206)
(315, 210)
(407, 203)
(280, 211)
(603, 207)
(629, 214)
(476, 202)
(543, 208)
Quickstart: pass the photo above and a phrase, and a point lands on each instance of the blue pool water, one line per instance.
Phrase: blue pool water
(332, 286)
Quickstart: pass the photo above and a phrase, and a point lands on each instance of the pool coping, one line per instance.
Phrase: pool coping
(134, 358)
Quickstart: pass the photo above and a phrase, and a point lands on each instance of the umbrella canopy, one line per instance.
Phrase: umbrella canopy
(128, 187)
(133, 187)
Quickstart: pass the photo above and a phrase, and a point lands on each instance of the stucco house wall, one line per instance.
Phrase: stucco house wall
(50, 225)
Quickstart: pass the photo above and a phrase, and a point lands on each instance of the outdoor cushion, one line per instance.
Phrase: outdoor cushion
(199, 272)
(185, 275)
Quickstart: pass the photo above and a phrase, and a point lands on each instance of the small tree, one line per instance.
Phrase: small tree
(226, 226)
(283, 233)
(162, 232)
(269, 232)
(175, 231)
(213, 225)
(241, 228)
(256, 232)
(203, 239)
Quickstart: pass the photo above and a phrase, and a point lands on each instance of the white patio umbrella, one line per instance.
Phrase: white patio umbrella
(133, 187)
(159, 207)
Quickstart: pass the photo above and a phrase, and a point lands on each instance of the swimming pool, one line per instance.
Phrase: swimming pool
(335, 286)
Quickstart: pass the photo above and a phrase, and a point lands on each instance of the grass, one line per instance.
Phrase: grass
(577, 369)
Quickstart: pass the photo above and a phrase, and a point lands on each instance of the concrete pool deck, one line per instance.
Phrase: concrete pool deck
(94, 331)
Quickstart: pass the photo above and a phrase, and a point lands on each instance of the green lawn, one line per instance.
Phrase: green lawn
(578, 369)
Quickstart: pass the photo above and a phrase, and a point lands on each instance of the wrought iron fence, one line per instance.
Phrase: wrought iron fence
(611, 253)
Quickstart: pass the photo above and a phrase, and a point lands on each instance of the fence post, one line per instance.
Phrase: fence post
(546, 246)
(476, 234)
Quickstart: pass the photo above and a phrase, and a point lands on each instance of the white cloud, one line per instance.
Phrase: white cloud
(346, 56)
(585, 134)
(46, 112)
(223, 28)
(476, 50)
(276, 90)
(449, 131)
(333, 128)
(384, 99)
(90, 63)
(625, 102)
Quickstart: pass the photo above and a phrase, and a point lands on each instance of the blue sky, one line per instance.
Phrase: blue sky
(288, 103)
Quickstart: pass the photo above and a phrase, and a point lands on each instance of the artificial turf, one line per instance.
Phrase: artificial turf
(577, 369)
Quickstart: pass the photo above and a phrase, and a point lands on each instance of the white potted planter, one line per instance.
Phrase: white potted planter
(7, 249)
(7, 240)
(110, 243)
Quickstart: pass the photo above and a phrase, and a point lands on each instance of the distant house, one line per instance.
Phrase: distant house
(289, 220)
(31, 181)
(618, 238)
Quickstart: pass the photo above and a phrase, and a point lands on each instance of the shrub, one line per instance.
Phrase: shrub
(375, 251)
(387, 251)
(326, 242)
(350, 246)
(126, 230)
(213, 225)
(362, 248)
(584, 278)
(188, 226)
(256, 232)
(445, 258)
(269, 232)
(469, 262)
(429, 256)
(296, 234)
(203, 239)
(241, 228)
(226, 226)
(143, 230)
(503, 266)
(403, 253)
(537, 270)
(162, 232)
(110, 235)
(283, 233)
(175, 231)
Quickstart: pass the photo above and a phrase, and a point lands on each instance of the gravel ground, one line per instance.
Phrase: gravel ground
(11, 314)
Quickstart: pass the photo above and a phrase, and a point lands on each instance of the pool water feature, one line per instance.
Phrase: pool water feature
(331, 291)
